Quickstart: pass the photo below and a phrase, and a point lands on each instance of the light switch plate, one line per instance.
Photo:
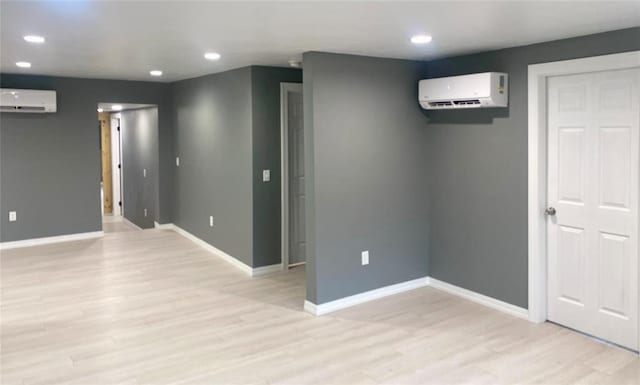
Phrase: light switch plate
(12, 216)
(365, 257)
(177, 161)
(145, 213)
(144, 172)
(211, 221)
(266, 175)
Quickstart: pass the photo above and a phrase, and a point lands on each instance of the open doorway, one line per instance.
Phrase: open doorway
(129, 164)
(294, 245)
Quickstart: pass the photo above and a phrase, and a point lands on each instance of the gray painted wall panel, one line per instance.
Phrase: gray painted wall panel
(213, 141)
(139, 133)
(265, 93)
(311, 267)
(50, 163)
(369, 181)
(478, 170)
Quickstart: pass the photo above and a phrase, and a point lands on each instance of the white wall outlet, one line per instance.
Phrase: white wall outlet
(13, 216)
(145, 213)
(365, 257)
(211, 221)
(177, 161)
(266, 175)
(144, 172)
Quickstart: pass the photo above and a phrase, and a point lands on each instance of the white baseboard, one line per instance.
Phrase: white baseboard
(163, 226)
(371, 295)
(342, 303)
(250, 271)
(49, 240)
(481, 299)
(311, 307)
(125, 220)
(266, 269)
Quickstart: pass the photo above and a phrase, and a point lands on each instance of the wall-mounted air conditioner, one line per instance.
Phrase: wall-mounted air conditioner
(14, 100)
(488, 89)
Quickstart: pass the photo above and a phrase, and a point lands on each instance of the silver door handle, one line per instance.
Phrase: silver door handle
(550, 211)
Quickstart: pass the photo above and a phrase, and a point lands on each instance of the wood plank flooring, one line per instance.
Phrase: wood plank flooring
(150, 307)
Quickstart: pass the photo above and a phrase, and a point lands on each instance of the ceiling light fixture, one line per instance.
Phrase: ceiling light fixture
(34, 39)
(116, 107)
(100, 110)
(23, 64)
(155, 73)
(421, 39)
(212, 56)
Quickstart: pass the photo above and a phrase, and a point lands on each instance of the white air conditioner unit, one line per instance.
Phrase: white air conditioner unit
(13, 100)
(488, 89)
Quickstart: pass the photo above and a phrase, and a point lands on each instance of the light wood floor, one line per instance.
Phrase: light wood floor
(150, 307)
(116, 224)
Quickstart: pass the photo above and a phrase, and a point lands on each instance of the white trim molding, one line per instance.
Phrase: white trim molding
(537, 168)
(481, 299)
(342, 303)
(284, 170)
(357, 299)
(262, 270)
(250, 271)
(163, 226)
(125, 220)
(50, 240)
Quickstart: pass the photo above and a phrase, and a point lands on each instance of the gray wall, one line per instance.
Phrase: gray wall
(213, 141)
(366, 151)
(139, 133)
(478, 170)
(265, 95)
(50, 163)
(227, 132)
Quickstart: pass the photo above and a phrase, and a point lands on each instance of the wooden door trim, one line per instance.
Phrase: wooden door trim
(107, 172)
(537, 163)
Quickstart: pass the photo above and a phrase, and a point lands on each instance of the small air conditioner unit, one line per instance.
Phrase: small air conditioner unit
(488, 89)
(14, 100)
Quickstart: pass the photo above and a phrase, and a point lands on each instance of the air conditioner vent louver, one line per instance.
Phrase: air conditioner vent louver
(27, 101)
(488, 89)
(439, 104)
(21, 109)
(466, 102)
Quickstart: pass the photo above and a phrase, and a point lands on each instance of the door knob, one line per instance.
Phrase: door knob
(550, 211)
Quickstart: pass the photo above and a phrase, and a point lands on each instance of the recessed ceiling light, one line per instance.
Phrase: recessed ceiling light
(34, 39)
(421, 39)
(155, 73)
(116, 107)
(23, 64)
(100, 110)
(212, 56)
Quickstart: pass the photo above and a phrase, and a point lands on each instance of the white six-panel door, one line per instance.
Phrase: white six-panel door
(593, 167)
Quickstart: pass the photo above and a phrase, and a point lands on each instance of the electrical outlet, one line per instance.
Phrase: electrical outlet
(177, 161)
(12, 216)
(145, 213)
(365, 257)
(211, 221)
(266, 175)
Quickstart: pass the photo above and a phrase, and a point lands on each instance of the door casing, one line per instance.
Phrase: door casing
(284, 169)
(537, 163)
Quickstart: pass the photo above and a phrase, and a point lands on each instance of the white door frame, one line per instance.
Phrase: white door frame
(284, 170)
(116, 157)
(537, 177)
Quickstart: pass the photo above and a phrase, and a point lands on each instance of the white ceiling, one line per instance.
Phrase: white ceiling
(124, 40)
